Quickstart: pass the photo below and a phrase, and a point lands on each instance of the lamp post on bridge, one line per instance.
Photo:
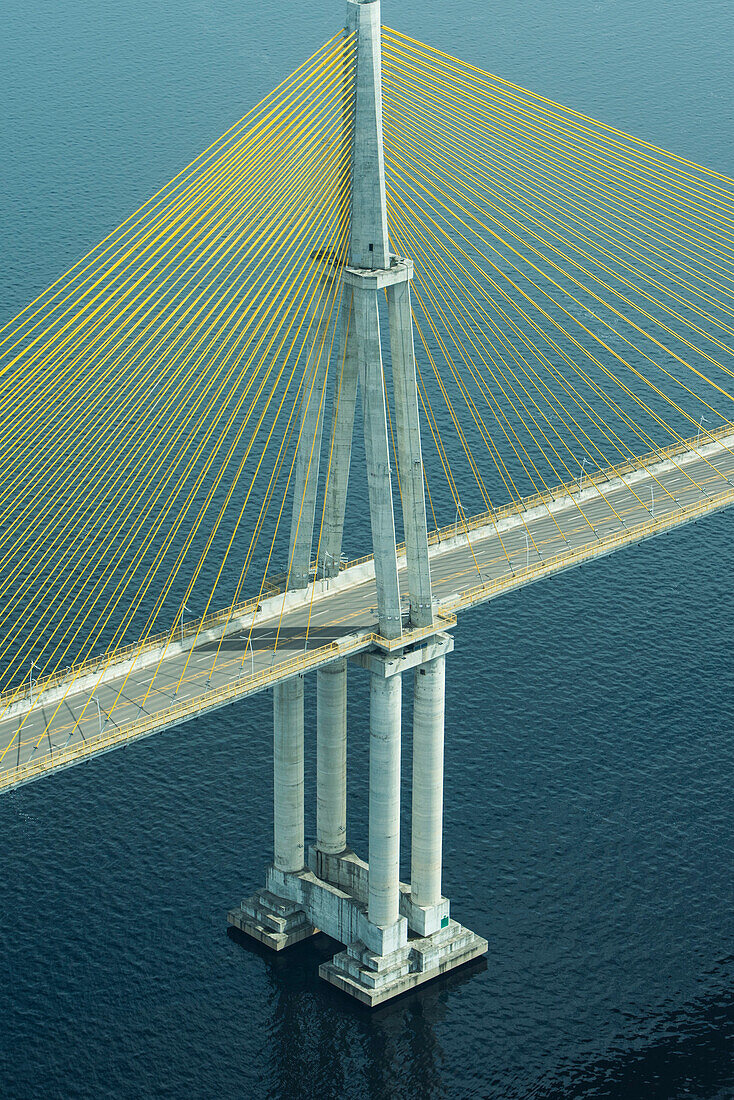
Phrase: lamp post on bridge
(184, 608)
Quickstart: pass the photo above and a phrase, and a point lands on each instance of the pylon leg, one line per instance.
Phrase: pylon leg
(308, 458)
(409, 453)
(340, 452)
(377, 452)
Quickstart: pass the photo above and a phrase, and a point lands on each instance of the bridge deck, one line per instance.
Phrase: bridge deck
(496, 555)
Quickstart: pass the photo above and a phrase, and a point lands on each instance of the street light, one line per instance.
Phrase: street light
(30, 681)
(456, 521)
(698, 437)
(185, 608)
(252, 656)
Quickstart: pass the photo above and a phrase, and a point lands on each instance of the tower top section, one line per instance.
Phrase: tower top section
(369, 246)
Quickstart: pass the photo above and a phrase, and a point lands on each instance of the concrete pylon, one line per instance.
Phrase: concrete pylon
(344, 402)
(370, 251)
(410, 456)
(317, 349)
(396, 935)
(369, 243)
(307, 464)
(373, 269)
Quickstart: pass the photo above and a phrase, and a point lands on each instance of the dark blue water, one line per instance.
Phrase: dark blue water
(590, 749)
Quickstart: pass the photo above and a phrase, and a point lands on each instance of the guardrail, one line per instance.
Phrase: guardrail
(471, 523)
(210, 700)
(135, 649)
(506, 583)
(608, 473)
(247, 685)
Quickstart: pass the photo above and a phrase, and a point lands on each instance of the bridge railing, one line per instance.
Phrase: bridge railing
(99, 664)
(246, 684)
(587, 481)
(467, 524)
(586, 552)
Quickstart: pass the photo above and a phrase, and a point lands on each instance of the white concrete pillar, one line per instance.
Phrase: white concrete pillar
(288, 775)
(307, 463)
(377, 453)
(331, 758)
(384, 806)
(409, 453)
(427, 810)
(369, 246)
(340, 450)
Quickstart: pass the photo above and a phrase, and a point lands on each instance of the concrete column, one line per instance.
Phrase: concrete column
(369, 241)
(384, 807)
(331, 758)
(427, 809)
(288, 774)
(379, 481)
(409, 453)
(340, 452)
(307, 459)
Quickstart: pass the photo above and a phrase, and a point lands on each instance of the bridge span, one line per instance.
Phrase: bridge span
(167, 683)
(570, 291)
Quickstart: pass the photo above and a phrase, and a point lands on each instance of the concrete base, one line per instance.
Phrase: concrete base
(375, 979)
(350, 873)
(273, 921)
(331, 896)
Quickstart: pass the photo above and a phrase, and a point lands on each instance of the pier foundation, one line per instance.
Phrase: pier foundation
(396, 935)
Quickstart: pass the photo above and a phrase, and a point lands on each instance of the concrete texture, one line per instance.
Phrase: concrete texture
(353, 971)
(331, 758)
(308, 456)
(410, 458)
(342, 428)
(369, 242)
(384, 799)
(377, 963)
(288, 774)
(377, 454)
(272, 921)
(427, 809)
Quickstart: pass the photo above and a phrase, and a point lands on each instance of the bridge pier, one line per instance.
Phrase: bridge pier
(427, 808)
(396, 935)
(331, 758)
(288, 842)
(384, 802)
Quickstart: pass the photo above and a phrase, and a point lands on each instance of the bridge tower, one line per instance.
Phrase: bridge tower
(396, 935)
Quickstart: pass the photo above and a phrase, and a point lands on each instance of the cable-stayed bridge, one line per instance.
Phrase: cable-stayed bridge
(184, 450)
